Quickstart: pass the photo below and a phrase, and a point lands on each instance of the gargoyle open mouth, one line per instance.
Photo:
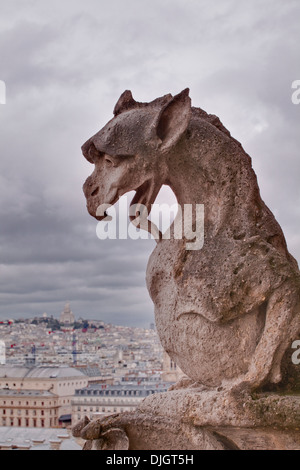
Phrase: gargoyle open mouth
(142, 198)
(140, 207)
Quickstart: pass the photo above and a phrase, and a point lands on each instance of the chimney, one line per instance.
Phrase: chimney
(55, 444)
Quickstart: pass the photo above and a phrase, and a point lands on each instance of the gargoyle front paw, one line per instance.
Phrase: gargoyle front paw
(113, 439)
(99, 436)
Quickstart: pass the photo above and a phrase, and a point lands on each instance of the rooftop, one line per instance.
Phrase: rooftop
(36, 438)
(47, 372)
(26, 393)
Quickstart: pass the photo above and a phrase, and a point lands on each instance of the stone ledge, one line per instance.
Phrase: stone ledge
(200, 420)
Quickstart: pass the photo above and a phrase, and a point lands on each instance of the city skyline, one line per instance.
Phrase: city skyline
(64, 67)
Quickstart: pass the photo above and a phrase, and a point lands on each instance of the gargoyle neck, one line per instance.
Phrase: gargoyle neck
(187, 184)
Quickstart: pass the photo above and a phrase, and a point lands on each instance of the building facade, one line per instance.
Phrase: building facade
(100, 400)
(56, 384)
(67, 317)
(29, 408)
(171, 372)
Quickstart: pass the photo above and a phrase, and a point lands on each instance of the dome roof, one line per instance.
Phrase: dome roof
(67, 316)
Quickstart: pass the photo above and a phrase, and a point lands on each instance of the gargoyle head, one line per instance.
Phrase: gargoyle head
(128, 153)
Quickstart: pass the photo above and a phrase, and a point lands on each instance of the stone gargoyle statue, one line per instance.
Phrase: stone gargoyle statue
(227, 313)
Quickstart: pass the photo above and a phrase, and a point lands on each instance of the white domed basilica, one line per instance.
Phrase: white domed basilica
(67, 317)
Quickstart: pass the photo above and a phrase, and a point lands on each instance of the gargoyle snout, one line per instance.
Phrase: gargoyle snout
(90, 189)
(86, 150)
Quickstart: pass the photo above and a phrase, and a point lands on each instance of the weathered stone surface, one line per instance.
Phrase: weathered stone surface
(228, 313)
(78, 427)
(91, 431)
(113, 439)
(191, 419)
(258, 439)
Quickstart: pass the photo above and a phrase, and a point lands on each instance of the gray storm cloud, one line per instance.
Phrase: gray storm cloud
(65, 65)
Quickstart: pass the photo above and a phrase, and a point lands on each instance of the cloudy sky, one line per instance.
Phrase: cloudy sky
(65, 63)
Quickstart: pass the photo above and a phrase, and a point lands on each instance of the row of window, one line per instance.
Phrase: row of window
(116, 392)
(34, 422)
(107, 400)
(80, 384)
(27, 403)
(45, 385)
(27, 412)
(103, 409)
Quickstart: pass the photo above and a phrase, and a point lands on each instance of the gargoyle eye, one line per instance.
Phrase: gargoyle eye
(109, 161)
(116, 160)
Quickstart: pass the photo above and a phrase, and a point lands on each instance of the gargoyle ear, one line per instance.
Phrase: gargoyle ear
(174, 119)
(124, 103)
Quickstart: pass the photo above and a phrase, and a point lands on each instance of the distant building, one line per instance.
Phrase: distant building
(171, 371)
(19, 381)
(101, 400)
(28, 408)
(95, 375)
(2, 352)
(67, 317)
(34, 438)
